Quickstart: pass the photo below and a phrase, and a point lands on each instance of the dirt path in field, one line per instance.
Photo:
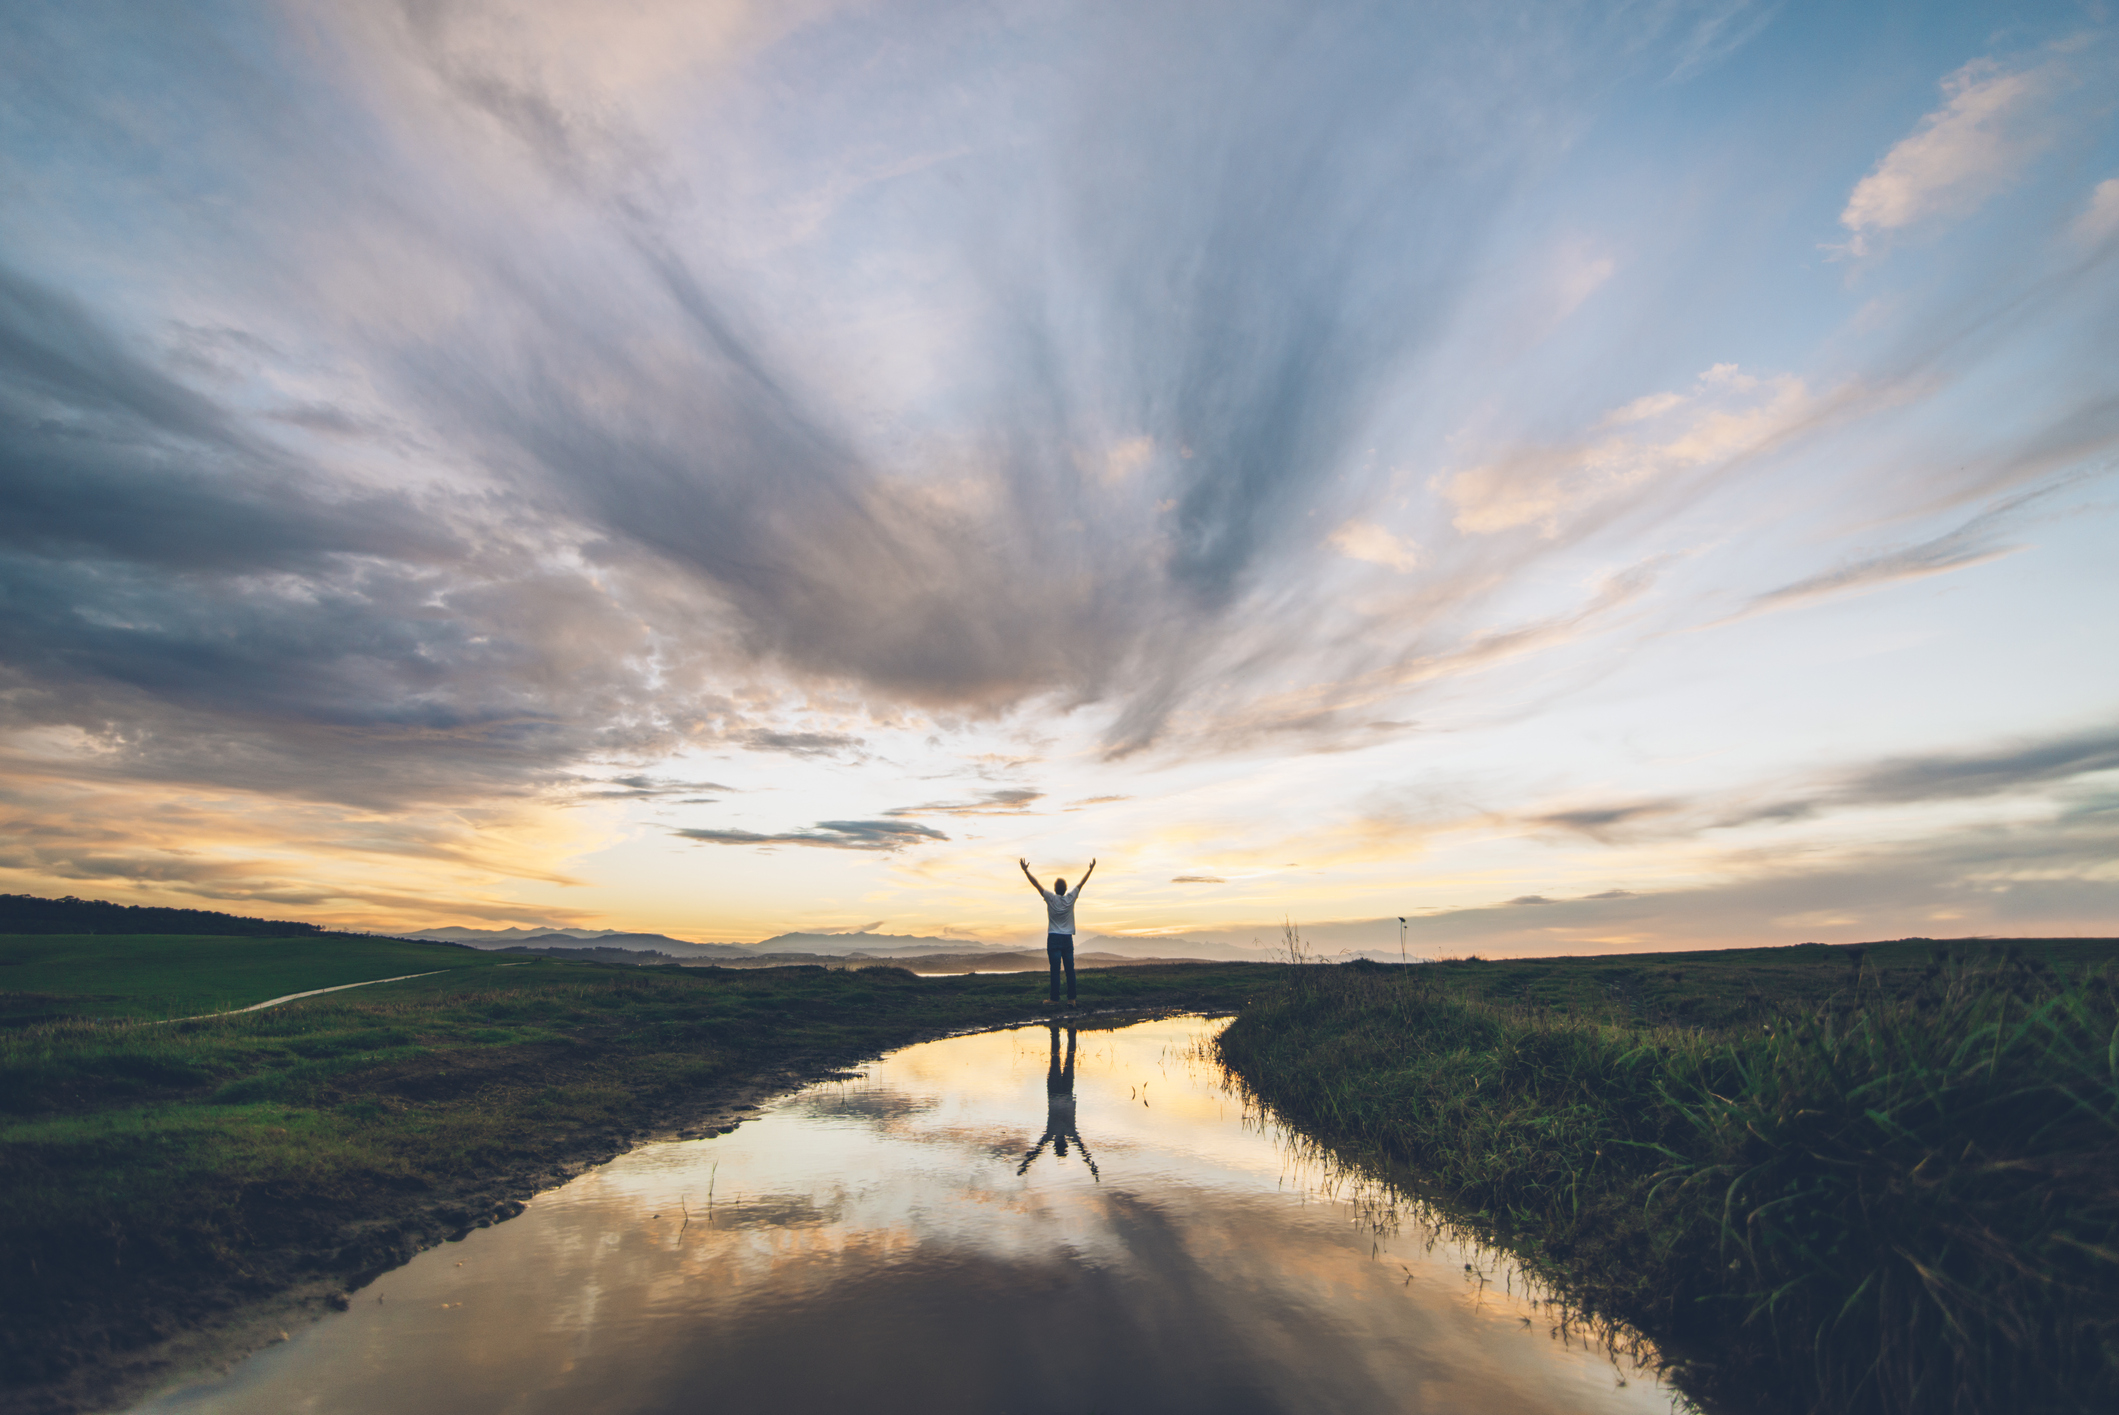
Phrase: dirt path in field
(313, 992)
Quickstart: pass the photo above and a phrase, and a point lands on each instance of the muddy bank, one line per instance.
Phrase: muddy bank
(163, 1324)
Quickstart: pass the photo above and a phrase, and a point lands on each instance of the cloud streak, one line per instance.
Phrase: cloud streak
(1899, 781)
(829, 835)
(1008, 801)
(649, 788)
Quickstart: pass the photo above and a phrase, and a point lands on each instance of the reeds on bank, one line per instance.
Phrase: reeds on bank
(1900, 1203)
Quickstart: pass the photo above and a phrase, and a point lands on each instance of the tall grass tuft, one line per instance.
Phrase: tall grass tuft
(1921, 1197)
(1891, 1204)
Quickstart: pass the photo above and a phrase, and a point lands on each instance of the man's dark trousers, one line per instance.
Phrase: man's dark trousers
(1060, 949)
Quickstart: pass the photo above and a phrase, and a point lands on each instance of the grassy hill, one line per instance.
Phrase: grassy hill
(50, 977)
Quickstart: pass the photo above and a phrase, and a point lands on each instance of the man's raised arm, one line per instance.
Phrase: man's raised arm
(1083, 882)
(1031, 877)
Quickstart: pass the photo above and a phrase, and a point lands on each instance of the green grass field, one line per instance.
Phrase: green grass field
(1888, 1177)
(45, 977)
(1875, 1180)
(1729, 987)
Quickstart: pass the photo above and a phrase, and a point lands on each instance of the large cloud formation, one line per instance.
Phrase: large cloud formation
(556, 395)
(425, 408)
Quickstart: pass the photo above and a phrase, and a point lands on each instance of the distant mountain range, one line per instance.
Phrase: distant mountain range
(1163, 946)
(821, 945)
(488, 938)
(23, 913)
(873, 945)
(910, 945)
(576, 938)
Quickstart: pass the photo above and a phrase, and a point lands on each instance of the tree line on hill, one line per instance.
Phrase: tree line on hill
(29, 914)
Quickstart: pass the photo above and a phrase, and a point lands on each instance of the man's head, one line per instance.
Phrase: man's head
(1059, 886)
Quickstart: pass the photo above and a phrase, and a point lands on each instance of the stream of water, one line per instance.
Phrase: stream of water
(1023, 1221)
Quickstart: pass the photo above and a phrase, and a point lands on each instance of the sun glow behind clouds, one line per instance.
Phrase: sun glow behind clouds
(724, 469)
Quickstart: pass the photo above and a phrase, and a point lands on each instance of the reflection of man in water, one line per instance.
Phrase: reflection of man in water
(1059, 926)
(1059, 1108)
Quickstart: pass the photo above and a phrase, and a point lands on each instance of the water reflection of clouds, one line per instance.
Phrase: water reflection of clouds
(1140, 1084)
(872, 1242)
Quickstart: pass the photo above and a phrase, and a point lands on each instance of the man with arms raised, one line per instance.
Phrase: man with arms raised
(1059, 926)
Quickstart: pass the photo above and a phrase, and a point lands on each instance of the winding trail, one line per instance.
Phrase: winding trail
(294, 996)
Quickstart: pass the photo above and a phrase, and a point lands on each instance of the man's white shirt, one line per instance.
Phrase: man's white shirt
(1059, 909)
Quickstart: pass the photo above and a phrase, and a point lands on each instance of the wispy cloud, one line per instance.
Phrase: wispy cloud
(1601, 820)
(1008, 801)
(1978, 540)
(798, 744)
(643, 788)
(830, 835)
(1727, 414)
(1898, 781)
(2100, 221)
(1958, 776)
(1992, 121)
(1365, 540)
(1715, 31)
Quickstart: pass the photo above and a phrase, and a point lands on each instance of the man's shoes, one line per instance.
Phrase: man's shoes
(1072, 1005)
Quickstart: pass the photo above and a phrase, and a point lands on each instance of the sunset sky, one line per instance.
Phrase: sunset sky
(1584, 477)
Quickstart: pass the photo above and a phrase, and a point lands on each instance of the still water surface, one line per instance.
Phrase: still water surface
(974, 1226)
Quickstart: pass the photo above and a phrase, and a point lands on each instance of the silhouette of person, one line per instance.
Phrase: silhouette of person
(1059, 1111)
(1059, 926)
